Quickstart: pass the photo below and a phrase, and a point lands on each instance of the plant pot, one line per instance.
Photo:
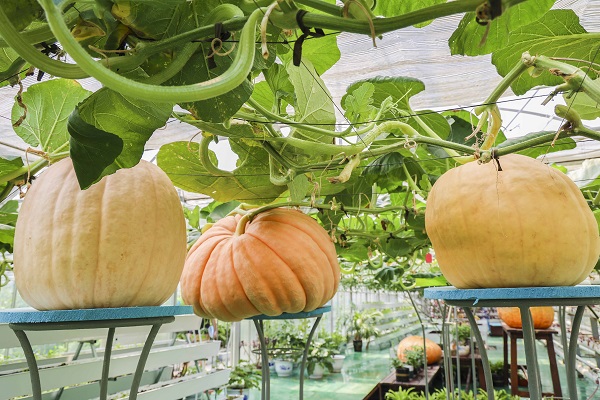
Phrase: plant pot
(284, 367)
(358, 345)
(317, 372)
(272, 366)
(338, 362)
(242, 394)
(402, 374)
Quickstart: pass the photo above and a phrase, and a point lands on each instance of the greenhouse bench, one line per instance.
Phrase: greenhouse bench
(76, 376)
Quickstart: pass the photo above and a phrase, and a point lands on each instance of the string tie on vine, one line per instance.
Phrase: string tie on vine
(306, 32)
(496, 158)
(216, 43)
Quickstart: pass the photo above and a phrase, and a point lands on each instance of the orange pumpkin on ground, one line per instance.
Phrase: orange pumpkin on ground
(543, 317)
(433, 350)
(281, 261)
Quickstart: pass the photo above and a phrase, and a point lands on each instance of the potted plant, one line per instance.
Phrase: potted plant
(318, 359)
(403, 371)
(498, 376)
(413, 356)
(336, 344)
(361, 325)
(243, 377)
(463, 339)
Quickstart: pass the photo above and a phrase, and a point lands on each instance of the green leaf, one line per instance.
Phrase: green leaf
(7, 234)
(126, 123)
(156, 19)
(400, 89)
(45, 124)
(222, 210)
(22, 12)
(396, 247)
(250, 181)
(193, 216)
(430, 282)
(432, 119)
(358, 105)
(10, 164)
(8, 213)
(11, 66)
(314, 104)
(92, 150)
(278, 80)
(467, 38)
(388, 171)
(393, 8)
(556, 34)
(582, 103)
(322, 53)
(298, 188)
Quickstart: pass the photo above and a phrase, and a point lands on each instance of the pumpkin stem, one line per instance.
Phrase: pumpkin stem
(241, 226)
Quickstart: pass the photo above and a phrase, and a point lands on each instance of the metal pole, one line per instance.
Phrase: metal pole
(572, 353)
(305, 354)
(235, 343)
(533, 369)
(487, 372)
(34, 374)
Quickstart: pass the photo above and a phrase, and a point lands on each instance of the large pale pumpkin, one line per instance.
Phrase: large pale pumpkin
(542, 317)
(281, 261)
(122, 242)
(524, 225)
(432, 349)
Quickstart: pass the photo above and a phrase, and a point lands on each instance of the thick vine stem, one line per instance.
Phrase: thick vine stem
(43, 33)
(234, 76)
(576, 80)
(32, 55)
(383, 25)
(240, 229)
(204, 155)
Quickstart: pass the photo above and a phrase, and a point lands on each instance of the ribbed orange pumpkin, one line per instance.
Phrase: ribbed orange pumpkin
(543, 317)
(119, 243)
(524, 225)
(433, 350)
(281, 261)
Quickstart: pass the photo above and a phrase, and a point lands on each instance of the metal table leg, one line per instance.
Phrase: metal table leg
(305, 355)
(137, 377)
(533, 369)
(106, 364)
(489, 385)
(572, 353)
(34, 374)
(265, 393)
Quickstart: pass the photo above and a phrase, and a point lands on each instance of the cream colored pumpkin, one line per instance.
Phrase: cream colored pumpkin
(122, 242)
(526, 225)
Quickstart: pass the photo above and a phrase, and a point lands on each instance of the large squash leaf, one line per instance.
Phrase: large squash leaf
(45, 123)
(586, 107)
(249, 182)
(558, 33)
(105, 117)
(400, 89)
(467, 38)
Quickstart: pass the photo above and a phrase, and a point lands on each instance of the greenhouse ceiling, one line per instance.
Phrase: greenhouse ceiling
(451, 82)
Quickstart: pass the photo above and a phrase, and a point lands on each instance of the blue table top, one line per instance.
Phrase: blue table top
(30, 316)
(574, 294)
(301, 315)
